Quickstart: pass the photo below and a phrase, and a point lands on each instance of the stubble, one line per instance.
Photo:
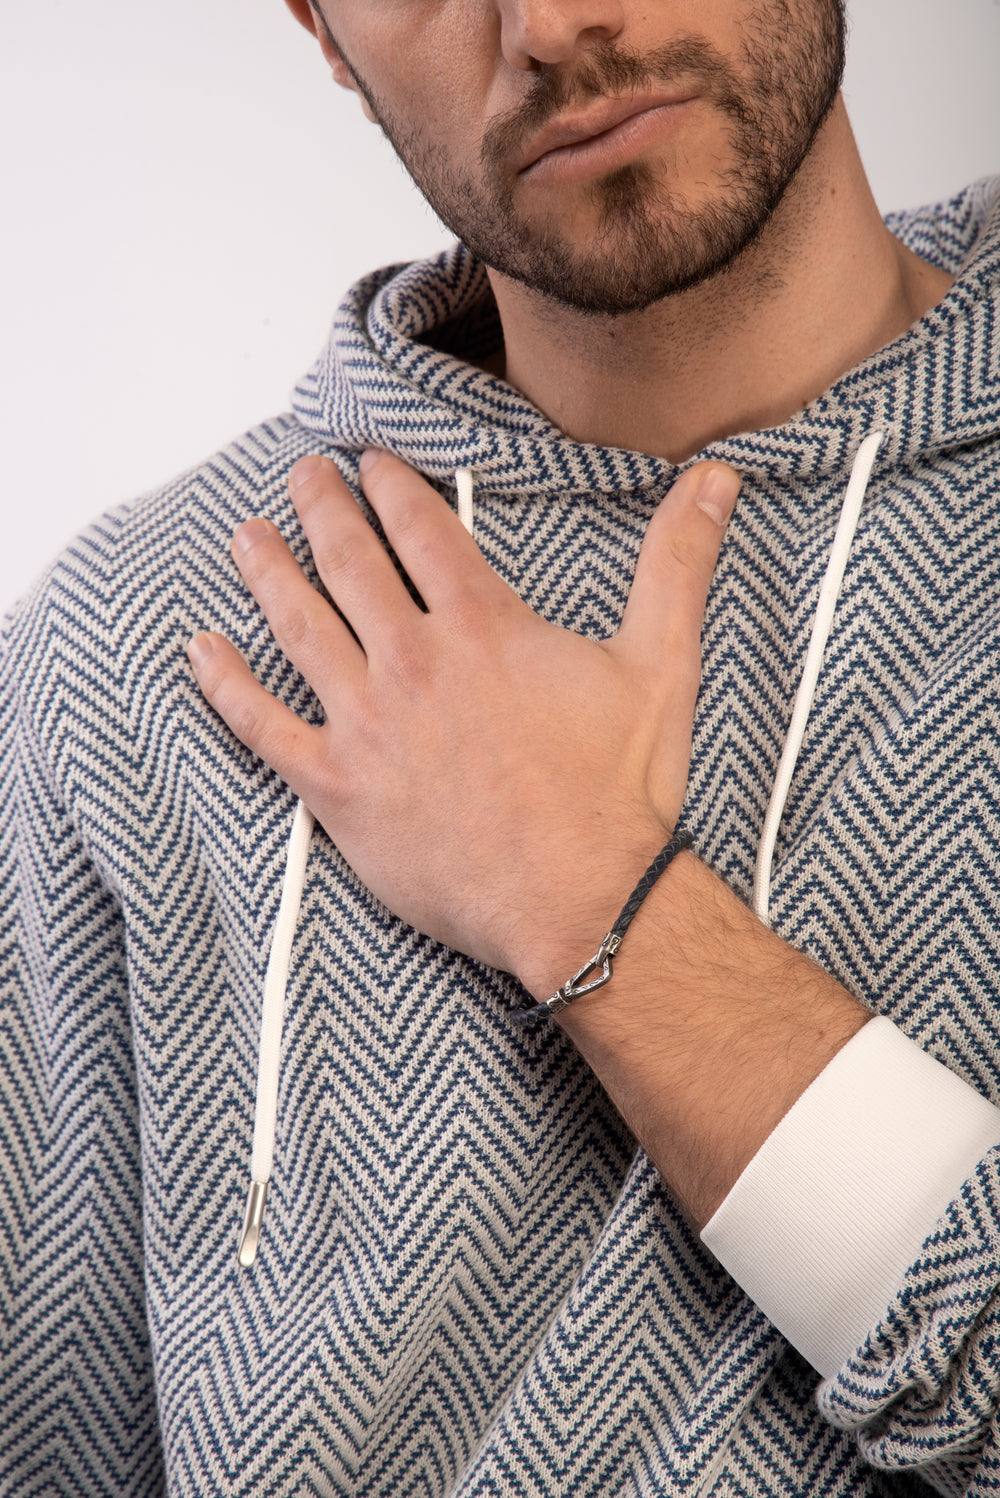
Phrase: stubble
(648, 240)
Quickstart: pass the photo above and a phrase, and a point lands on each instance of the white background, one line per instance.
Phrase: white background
(185, 195)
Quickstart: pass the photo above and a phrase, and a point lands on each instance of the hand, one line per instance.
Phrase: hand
(498, 782)
(502, 784)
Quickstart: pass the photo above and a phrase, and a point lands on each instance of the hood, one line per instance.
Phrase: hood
(391, 377)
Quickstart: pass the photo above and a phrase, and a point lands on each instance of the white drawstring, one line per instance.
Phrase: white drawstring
(463, 483)
(829, 592)
(271, 1018)
(272, 1010)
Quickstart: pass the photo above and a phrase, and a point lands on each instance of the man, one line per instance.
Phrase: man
(468, 1279)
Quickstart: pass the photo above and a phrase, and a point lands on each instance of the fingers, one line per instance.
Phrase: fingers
(439, 555)
(304, 625)
(355, 566)
(267, 727)
(360, 575)
(662, 622)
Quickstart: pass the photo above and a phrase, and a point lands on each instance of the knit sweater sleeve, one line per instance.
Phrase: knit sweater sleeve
(76, 1385)
(922, 1393)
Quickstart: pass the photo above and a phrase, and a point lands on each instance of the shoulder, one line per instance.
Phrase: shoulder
(99, 639)
(173, 539)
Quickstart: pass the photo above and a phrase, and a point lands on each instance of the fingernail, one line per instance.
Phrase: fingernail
(199, 649)
(717, 493)
(368, 457)
(303, 469)
(249, 533)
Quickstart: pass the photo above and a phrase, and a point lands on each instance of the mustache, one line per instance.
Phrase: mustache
(608, 71)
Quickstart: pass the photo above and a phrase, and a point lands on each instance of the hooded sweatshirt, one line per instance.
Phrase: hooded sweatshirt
(471, 1282)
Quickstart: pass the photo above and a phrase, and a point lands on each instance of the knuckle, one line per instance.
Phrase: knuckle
(336, 556)
(469, 621)
(686, 554)
(256, 724)
(407, 518)
(294, 629)
(406, 664)
(247, 722)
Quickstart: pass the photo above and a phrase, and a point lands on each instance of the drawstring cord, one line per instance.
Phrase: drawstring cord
(293, 883)
(829, 592)
(271, 1018)
(463, 483)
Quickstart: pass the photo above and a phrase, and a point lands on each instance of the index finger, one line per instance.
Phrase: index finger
(439, 555)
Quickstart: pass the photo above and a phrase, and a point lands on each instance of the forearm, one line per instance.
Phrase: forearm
(709, 1031)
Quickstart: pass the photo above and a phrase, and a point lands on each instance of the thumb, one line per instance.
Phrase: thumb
(663, 616)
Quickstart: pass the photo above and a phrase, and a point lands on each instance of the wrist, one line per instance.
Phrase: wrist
(598, 970)
(708, 1032)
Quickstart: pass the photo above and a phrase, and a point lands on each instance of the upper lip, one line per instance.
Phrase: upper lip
(604, 115)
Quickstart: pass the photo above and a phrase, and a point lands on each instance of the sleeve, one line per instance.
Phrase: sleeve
(76, 1387)
(922, 1391)
(868, 1229)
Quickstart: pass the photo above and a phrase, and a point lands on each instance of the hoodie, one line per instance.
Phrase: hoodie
(471, 1281)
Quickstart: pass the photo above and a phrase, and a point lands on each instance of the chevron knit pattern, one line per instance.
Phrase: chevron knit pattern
(470, 1282)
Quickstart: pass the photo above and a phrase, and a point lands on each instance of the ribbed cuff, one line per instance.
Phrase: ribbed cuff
(830, 1213)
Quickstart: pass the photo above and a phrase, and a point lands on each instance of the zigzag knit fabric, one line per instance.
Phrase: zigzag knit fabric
(471, 1283)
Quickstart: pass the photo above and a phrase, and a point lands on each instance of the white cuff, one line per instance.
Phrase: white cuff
(830, 1213)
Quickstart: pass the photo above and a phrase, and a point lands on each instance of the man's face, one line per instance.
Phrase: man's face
(638, 157)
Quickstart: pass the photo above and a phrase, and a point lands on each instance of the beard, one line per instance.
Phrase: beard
(647, 241)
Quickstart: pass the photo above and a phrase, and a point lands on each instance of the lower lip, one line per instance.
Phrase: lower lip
(611, 149)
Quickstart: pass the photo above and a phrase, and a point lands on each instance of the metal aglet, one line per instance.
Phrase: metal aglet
(253, 1222)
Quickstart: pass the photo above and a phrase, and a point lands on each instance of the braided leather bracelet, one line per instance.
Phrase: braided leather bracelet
(575, 986)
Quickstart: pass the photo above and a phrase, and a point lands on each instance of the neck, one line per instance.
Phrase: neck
(824, 286)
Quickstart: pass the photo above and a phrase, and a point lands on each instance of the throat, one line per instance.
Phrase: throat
(715, 361)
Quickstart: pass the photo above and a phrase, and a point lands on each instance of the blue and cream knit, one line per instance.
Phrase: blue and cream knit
(471, 1282)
